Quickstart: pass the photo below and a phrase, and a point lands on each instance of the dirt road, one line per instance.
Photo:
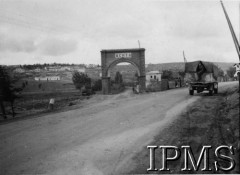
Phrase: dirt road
(98, 138)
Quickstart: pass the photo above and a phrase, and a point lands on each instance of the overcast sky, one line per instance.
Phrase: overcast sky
(75, 31)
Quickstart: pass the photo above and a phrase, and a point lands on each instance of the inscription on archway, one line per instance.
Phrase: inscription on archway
(110, 58)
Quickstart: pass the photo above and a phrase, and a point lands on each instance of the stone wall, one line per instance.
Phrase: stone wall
(164, 85)
(158, 86)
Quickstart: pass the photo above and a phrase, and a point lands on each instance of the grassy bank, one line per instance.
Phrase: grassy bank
(37, 103)
(34, 99)
(212, 120)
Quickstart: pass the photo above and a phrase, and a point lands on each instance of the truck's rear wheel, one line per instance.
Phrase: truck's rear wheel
(191, 92)
(210, 92)
(216, 90)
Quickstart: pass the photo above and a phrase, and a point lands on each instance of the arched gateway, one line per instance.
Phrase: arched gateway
(110, 58)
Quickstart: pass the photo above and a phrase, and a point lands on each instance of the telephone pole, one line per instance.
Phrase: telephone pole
(236, 43)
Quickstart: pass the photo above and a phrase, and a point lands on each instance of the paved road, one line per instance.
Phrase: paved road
(98, 138)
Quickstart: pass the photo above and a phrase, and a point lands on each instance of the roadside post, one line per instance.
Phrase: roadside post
(51, 103)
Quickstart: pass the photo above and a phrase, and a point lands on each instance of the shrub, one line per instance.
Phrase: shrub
(81, 80)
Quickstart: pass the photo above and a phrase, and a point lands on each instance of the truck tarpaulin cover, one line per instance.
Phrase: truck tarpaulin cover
(192, 67)
(201, 68)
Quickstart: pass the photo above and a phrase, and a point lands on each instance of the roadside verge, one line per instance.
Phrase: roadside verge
(212, 120)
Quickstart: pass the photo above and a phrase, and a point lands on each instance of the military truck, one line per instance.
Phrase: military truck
(201, 76)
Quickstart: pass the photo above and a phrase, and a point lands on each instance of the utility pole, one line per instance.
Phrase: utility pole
(139, 44)
(185, 60)
(235, 40)
(236, 43)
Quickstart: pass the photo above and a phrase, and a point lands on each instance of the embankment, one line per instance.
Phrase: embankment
(212, 120)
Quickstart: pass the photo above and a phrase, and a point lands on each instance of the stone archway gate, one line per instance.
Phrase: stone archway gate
(110, 58)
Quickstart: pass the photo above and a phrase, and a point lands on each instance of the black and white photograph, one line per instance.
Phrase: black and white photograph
(119, 87)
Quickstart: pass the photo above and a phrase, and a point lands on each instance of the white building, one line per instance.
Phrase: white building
(37, 70)
(19, 70)
(65, 68)
(79, 69)
(48, 78)
(153, 76)
(53, 69)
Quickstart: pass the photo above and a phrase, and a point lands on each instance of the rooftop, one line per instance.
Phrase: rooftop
(153, 72)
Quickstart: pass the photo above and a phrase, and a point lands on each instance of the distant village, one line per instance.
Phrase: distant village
(57, 71)
(54, 72)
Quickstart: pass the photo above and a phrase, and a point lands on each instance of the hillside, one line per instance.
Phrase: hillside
(128, 71)
(176, 66)
(224, 66)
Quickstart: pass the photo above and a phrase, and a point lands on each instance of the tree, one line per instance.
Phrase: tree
(167, 74)
(81, 80)
(97, 85)
(8, 92)
(118, 78)
(231, 71)
(221, 73)
(218, 72)
(182, 73)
